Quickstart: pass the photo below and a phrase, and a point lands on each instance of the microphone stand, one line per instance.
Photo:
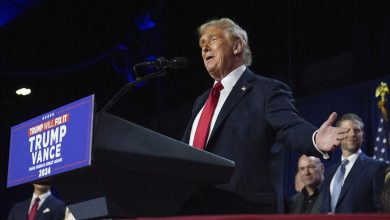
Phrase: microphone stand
(127, 86)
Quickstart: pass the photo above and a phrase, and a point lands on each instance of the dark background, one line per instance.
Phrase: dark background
(67, 49)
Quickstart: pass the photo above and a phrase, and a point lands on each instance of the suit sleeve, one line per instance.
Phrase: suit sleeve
(292, 130)
(60, 212)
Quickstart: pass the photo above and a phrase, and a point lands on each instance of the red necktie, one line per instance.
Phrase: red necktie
(34, 209)
(202, 131)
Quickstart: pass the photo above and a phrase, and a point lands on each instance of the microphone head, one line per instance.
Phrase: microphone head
(178, 63)
(163, 63)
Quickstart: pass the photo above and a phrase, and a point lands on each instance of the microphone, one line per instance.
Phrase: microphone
(161, 63)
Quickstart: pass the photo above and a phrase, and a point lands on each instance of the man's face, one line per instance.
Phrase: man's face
(354, 137)
(217, 52)
(41, 187)
(311, 171)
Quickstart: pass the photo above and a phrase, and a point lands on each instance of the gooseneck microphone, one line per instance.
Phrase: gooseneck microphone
(160, 65)
(163, 63)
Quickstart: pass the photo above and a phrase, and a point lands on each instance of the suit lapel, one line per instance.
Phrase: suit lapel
(326, 187)
(24, 206)
(200, 103)
(44, 206)
(332, 171)
(242, 86)
(197, 106)
(356, 169)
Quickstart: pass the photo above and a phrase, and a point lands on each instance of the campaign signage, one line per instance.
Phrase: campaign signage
(53, 143)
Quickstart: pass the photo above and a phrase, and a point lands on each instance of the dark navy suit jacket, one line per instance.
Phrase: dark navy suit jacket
(51, 208)
(255, 123)
(362, 187)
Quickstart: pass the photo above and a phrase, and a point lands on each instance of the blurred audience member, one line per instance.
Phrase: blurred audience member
(311, 174)
(42, 206)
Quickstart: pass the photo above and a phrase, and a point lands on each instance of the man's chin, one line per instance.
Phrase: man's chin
(350, 149)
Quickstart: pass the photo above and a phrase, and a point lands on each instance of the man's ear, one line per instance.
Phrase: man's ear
(238, 47)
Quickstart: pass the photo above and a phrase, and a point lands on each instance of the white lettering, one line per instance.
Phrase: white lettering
(38, 139)
(34, 157)
(51, 143)
(53, 136)
(58, 150)
(62, 132)
(31, 140)
(45, 139)
(39, 159)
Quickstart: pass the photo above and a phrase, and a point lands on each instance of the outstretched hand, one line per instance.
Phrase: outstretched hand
(329, 137)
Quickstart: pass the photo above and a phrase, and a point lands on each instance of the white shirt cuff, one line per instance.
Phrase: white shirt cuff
(325, 155)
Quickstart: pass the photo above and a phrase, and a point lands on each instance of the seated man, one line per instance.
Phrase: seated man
(311, 172)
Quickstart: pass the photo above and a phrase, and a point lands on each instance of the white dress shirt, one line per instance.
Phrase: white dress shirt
(352, 159)
(42, 199)
(228, 83)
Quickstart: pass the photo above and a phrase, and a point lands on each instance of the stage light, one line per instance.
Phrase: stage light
(23, 91)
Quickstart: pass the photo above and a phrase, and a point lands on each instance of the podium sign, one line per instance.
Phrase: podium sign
(52, 143)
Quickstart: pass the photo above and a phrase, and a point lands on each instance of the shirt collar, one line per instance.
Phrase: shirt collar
(304, 191)
(352, 158)
(231, 79)
(42, 197)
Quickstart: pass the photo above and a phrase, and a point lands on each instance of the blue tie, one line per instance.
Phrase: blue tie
(337, 184)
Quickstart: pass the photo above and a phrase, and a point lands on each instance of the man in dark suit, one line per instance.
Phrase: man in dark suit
(361, 182)
(308, 200)
(48, 207)
(253, 120)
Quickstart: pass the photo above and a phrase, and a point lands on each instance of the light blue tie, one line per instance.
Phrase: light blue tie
(337, 184)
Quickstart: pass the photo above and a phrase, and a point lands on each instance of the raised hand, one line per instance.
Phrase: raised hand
(329, 137)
